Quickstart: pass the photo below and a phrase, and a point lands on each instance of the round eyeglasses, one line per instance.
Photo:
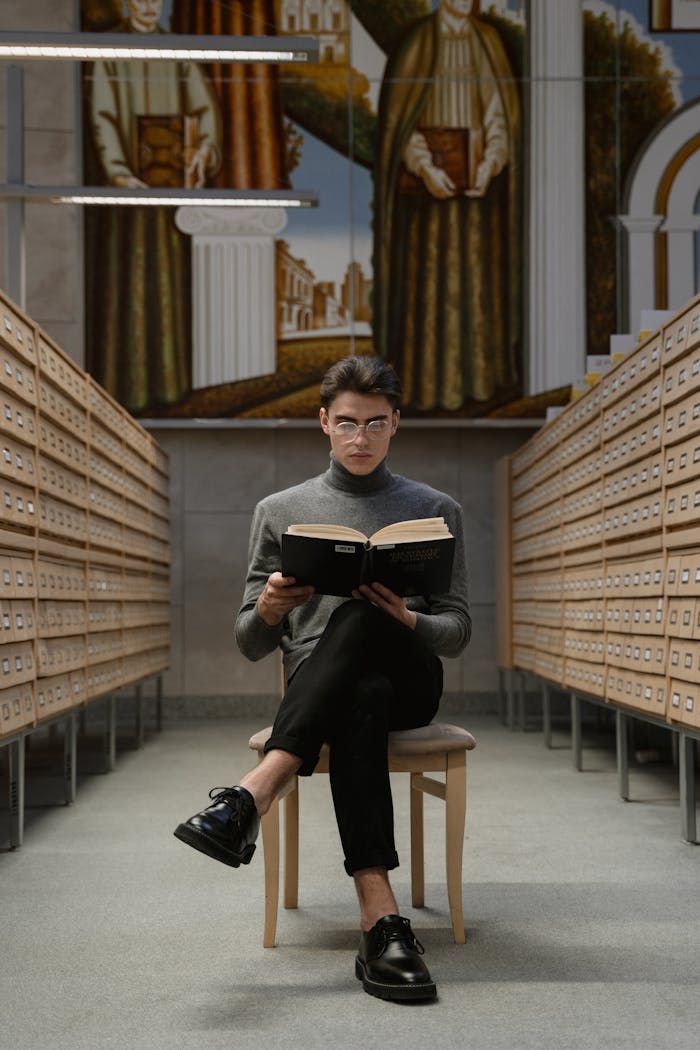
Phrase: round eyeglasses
(347, 431)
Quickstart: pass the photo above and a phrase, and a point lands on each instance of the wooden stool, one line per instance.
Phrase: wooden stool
(437, 747)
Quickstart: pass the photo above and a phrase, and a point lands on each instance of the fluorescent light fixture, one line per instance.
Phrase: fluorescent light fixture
(89, 47)
(151, 195)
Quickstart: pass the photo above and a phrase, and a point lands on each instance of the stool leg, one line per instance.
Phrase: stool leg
(291, 847)
(455, 817)
(417, 848)
(270, 827)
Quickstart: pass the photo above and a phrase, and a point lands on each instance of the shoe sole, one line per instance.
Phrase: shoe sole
(393, 991)
(200, 841)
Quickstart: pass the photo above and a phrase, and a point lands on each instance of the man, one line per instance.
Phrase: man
(447, 245)
(150, 124)
(355, 668)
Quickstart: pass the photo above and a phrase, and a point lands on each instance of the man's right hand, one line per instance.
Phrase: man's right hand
(279, 596)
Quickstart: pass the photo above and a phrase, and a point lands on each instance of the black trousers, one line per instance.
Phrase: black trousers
(368, 674)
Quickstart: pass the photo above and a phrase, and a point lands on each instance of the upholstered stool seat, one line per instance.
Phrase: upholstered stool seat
(438, 747)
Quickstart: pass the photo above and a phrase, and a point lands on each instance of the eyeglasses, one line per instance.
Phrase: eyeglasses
(348, 431)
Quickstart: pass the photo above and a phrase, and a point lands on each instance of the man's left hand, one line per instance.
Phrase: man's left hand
(390, 603)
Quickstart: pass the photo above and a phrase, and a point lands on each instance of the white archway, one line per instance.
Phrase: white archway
(660, 219)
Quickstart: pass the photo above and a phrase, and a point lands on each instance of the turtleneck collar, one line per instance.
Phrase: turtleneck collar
(340, 478)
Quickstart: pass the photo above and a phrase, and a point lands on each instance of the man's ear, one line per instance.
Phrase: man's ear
(325, 424)
(396, 415)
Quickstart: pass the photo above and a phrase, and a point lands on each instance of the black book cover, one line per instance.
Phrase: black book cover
(334, 566)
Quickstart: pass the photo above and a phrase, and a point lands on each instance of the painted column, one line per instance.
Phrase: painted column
(557, 329)
(234, 327)
(641, 266)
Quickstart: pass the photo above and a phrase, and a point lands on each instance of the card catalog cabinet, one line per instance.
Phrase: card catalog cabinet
(604, 529)
(84, 537)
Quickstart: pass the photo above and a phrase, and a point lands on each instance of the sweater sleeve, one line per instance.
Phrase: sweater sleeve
(253, 636)
(446, 626)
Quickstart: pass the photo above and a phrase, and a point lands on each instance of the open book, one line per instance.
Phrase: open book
(409, 557)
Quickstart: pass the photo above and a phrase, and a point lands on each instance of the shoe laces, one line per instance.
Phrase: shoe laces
(399, 929)
(233, 800)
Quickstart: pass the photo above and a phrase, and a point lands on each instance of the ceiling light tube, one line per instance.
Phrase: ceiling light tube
(87, 47)
(151, 196)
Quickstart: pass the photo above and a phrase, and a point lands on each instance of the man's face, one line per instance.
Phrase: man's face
(459, 7)
(364, 451)
(144, 14)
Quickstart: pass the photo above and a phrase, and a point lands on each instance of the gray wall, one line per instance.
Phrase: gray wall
(219, 472)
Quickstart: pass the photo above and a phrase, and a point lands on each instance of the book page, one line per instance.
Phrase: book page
(328, 532)
(406, 531)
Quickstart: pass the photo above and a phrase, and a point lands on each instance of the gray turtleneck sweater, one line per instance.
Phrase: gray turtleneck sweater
(366, 503)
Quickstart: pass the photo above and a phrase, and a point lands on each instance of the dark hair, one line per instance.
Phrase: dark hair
(361, 375)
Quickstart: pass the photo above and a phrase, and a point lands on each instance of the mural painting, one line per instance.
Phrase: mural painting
(412, 130)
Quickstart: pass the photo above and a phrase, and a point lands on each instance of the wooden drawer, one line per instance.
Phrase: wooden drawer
(682, 504)
(683, 575)
(639, 442)
(581, 444)
(17, 623)
(18, 504)
(106, 442)
(17, 461)
(62, 581)
(62, 446)
(105, 533)
(584, 677)
(104, 616)
(104, 583)
(636, 367)
(643, 577)
(16, 332)
(583, 502)
(682, 334)
(17, 376)
(61, 618)
(107, 472)
(160, 483)
(58, 480)
(630, 410)
(59, 655)
(106, 502)
(583, 471)
(644, 654)
(682, 461)
(585, 615)
(584, 645)
(635, 479)
(104, 410)
(103, 646)
(684, 702)
(583, 532)
(682, 420)
(17, 577)
(16, 664)
(643, 692)
(636, 615)
(56, 366)
(57, 518)
(18, 419)
(104, 678)
(547, 665)
(683, 619)
(53, 695)
(684, 659)
(634, 518)
(682, 378)
(61, 409)
(17, 708)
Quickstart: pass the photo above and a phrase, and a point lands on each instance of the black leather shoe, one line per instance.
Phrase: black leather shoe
(226, 830)
(389, 962)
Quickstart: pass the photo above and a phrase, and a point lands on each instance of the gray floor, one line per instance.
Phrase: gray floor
(582, 914)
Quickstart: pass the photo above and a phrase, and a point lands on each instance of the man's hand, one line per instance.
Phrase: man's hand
(437, 182)
(279, 596)
(389, 602)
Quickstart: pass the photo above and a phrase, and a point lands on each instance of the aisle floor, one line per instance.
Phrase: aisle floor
(581, 911)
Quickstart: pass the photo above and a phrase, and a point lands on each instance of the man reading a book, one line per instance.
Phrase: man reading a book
(355, 667)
